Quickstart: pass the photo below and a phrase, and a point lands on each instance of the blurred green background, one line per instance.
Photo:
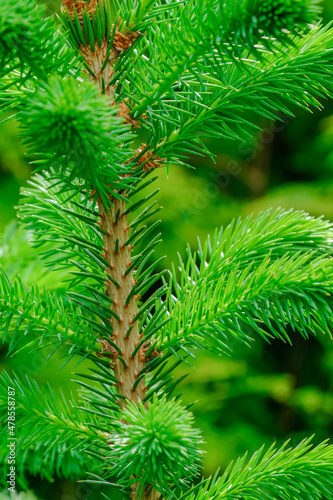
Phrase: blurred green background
(266, 393)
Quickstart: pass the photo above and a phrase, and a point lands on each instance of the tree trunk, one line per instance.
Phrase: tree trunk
(119, 286)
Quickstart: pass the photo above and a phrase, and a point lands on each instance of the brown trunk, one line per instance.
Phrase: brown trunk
(118, 287)
(125, 331)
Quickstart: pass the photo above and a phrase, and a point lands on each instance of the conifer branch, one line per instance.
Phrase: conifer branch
(30, 318)
(177, 69)
(240, 287)
(305, 471)
(124, 330)
(59, 437)
(29, 43)
(232, 27)
(198, 108)
(127, 361)
(51, 212)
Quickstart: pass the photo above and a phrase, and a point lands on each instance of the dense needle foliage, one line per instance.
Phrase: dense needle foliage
(106, 94)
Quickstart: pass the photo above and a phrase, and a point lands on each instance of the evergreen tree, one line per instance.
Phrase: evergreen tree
(105, 95)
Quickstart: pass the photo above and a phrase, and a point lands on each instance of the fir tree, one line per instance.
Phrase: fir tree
(106, 94)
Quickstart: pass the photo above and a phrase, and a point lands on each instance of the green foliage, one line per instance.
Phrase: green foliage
(301, 472)
(83, 133)
(275, 14)
(50, 210)
(98, 27)
(57, 434)
(264, 276)
(157, 446)
(230, 92)
(29, 42)
(28, 316)
(20, 26)
(272, 270)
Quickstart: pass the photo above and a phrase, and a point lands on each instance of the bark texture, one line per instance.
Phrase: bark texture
(124, 330)
(119, 287)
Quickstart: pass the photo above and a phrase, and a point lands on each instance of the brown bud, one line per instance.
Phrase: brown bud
(143, 352)
(107, 350)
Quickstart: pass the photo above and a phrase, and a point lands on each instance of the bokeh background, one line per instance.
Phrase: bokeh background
(259, 395)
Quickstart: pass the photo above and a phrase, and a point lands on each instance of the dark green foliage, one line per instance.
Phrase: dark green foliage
(158, 446)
